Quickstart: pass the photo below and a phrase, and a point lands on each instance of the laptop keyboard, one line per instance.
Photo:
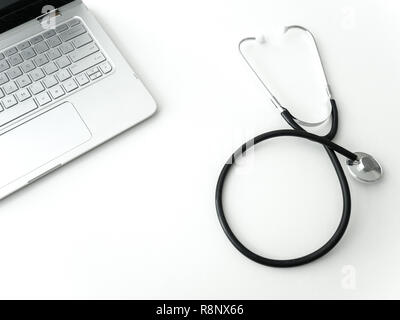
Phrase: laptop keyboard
(47, 68)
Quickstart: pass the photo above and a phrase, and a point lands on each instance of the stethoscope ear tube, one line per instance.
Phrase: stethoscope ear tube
(273, 98)
(331, 148)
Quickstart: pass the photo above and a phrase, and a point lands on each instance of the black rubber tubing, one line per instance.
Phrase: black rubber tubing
(331, 148)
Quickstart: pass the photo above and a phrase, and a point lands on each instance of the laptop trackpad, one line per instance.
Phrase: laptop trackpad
(39, 141)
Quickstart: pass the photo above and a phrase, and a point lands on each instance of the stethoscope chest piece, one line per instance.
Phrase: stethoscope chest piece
(365, 169)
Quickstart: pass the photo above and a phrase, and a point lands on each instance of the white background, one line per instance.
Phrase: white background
(136, 218)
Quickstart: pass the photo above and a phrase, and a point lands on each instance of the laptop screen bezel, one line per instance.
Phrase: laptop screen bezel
(25, 10)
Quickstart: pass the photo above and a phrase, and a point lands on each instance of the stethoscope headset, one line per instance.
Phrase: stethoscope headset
(362, 166)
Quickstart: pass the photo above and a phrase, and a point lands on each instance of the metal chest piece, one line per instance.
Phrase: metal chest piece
(366, 169)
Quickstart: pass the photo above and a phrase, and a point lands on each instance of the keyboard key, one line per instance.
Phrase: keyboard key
(1, 94)
(28, 53)
(66, 47)
(4, 65)
(37, 74)
(72, 33)
(106, 67)
(73, 22)
(24, 81)
(87, 63)
(50, 68)
(96, 75)
(3, 79)
(9, 101)
(37, 88)
(41, 47)
(28, 66)
(15, 113)
(37, 39)
(14, 73)
(92, 71)
(54, 54)
(1, 56)
(10, 87)
(82, 40)
(63, 75)
(15, 59)
(43, 98)
(50, 81)
(41, 60)
(10, 52)
(82, 79)
(57, 92)
(48, 34)
(70, 85)
(83, 52)
(24, 45)
(63, 62)
(23, 95)
(54, 42)
(61, 28)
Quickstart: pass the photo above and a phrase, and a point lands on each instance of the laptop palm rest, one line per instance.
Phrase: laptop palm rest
(37, 142)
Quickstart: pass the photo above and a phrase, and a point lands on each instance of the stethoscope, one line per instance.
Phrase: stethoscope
(362, 166)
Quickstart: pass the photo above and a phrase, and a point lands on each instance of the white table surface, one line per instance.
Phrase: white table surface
(136, 218)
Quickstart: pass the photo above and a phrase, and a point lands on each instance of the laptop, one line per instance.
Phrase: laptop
(64, 89)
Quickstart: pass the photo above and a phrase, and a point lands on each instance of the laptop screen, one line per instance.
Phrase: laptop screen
(6, 3)
(16, 12)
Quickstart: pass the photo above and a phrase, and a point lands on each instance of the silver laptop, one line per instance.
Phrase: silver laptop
(64, 88)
